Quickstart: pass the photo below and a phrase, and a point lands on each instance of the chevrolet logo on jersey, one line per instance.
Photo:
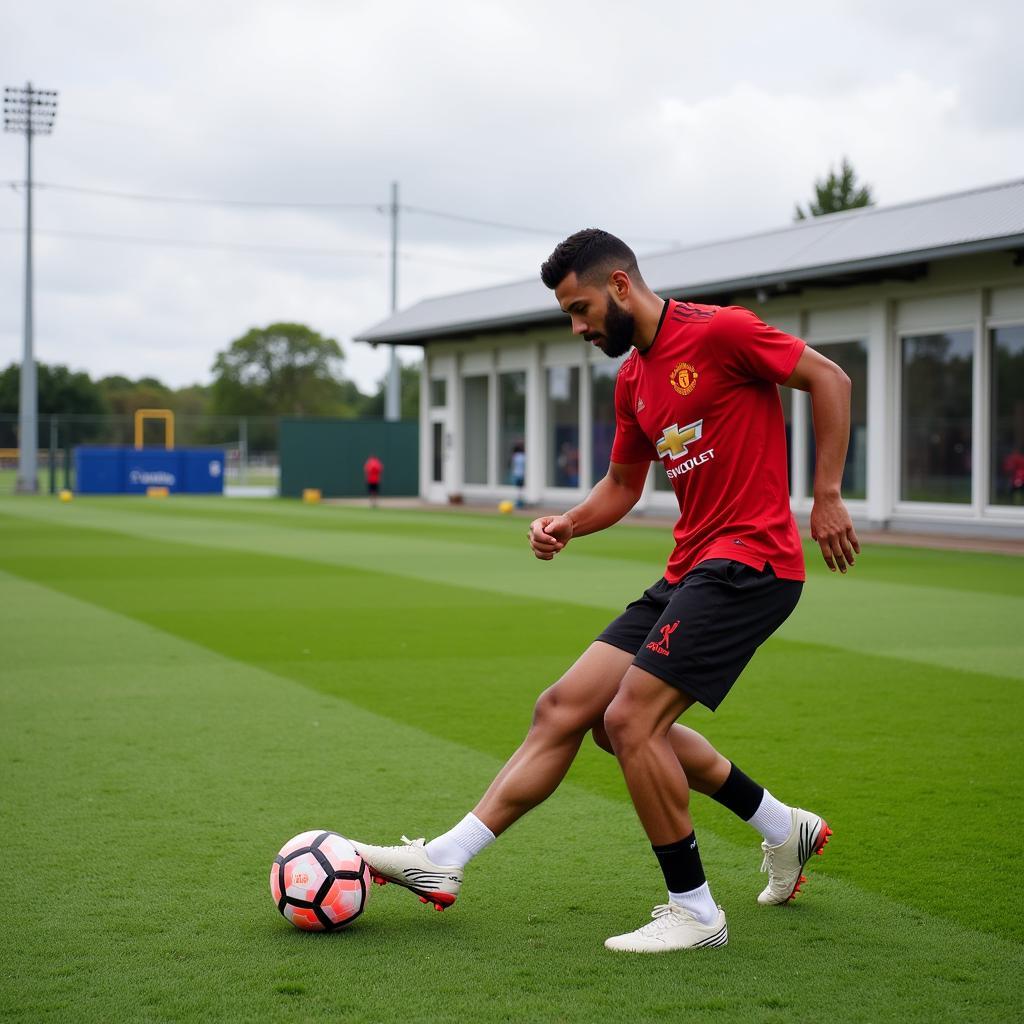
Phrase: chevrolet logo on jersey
(674, 439)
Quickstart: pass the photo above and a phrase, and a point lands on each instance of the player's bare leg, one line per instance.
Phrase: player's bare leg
(638, 722)
(705, 768)
(563, 715)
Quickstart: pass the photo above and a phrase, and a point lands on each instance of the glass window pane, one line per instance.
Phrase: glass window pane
(786, 398)
(474, 396)
(512, 427)
(936, 457)
(438, 453)
(563, 426)
(439, 393)
(602, 429)
(851, 356)
(1008, 416)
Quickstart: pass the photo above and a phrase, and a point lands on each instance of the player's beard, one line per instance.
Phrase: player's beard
(619, 328)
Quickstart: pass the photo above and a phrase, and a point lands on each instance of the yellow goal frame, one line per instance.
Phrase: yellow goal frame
(167, 415)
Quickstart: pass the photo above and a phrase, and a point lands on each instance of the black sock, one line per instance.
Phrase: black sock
(680, 864)
(740, 793)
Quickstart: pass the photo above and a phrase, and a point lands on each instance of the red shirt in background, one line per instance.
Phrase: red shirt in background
(373, 468)
(703, 399)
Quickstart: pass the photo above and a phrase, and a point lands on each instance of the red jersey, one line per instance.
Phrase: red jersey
(703, 400)
(373, 468)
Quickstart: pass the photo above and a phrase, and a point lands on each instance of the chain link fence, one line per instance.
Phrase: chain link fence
(249, 443)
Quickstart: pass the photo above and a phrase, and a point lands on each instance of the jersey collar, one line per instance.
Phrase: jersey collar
(657, 330)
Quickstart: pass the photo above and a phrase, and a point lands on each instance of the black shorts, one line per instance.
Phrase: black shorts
(373, 488)
(698, 634)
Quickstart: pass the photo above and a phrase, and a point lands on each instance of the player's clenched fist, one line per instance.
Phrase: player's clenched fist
(549, 534)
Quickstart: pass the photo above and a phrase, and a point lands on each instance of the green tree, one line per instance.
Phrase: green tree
(61, 392)
(839, 191)
(125, 396)
(281, 370)
(409, 403)
(193, 400)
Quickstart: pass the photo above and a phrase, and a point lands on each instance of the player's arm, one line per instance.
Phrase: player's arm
(609, 500)
(829, 388)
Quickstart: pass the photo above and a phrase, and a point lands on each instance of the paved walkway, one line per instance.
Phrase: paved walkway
(896, 538)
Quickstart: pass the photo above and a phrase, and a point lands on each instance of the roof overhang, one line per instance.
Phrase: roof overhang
(780, 282)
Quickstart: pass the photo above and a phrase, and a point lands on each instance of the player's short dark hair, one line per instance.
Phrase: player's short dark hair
(591, 254)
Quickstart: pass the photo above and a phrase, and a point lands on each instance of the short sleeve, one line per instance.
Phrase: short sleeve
(631, 444)
(748, 347)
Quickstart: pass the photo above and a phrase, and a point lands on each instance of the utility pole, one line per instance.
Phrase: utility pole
(393, 392)
(28, 112)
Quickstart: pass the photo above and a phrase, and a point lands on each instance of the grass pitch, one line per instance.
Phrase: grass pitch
(187, 684)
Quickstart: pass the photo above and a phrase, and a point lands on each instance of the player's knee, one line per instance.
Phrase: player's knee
(620, 726)
(600, 735)
(553, 715)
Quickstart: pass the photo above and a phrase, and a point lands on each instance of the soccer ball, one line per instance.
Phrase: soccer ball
(319, 882)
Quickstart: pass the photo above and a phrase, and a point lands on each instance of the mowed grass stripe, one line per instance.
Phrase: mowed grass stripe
(860, 738)
(926, 623)
(148, 782)
(957, 570)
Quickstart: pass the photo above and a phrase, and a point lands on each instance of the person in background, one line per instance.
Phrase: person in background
(372, 470)
(517, 470)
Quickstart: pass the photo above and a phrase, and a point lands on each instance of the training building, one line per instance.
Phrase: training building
(921, 303)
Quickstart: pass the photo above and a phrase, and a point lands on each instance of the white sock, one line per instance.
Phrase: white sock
(774, 820)
(461, 844)
(698, 902)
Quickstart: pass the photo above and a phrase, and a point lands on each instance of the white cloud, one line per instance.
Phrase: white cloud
(659, 122)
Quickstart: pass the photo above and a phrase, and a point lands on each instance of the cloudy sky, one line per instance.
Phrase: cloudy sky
(663, 122)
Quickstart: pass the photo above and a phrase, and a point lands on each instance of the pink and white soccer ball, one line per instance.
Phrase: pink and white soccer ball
(319, 882)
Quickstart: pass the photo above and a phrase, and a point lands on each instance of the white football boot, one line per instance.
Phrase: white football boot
(408, 865)
(785, 862)
(673, 927)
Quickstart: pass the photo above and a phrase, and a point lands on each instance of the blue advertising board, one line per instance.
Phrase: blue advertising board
(153, 468)
(123, 470)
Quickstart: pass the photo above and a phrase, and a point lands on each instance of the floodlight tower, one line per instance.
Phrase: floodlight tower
(28, 112)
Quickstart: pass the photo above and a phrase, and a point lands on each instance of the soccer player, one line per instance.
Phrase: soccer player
(699, 393)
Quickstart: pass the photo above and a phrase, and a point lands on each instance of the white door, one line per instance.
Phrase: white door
(440, 463)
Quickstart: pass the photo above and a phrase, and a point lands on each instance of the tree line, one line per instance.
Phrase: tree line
(283, 369)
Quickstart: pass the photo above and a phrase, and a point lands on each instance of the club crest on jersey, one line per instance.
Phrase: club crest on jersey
(683, 378)
(674, 439)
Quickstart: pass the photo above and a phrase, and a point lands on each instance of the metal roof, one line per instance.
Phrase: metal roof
(869, 239)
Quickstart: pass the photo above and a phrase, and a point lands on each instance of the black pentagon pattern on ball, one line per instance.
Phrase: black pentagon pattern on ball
(330, 875)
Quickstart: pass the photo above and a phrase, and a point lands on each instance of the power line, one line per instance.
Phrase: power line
(198, 200)
(556, 232)
(297, 250)
(380, 208)
(481, 222)
(184, 243)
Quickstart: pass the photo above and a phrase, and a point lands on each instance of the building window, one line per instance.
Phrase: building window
(852, 357)
(474, 398)
(936, 457)
(786, 398)
(563, 426)
(602, 428)
(438, 393)
(512, 427)
(437, 455)
(1007, 416)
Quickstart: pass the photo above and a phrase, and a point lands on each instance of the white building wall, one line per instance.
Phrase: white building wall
(973, 294)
